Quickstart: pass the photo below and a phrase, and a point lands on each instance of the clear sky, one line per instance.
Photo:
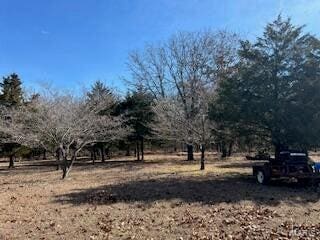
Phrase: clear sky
(72, 43)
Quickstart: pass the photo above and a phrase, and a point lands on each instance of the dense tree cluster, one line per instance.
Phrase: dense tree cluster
(214, 88)
(273, 95)
(198, 89)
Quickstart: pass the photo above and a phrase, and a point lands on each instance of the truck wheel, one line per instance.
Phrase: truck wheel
(262, 177)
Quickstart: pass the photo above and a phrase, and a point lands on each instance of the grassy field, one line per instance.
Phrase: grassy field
(163, 198)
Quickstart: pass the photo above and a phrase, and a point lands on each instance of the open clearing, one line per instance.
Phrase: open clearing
(162, 198)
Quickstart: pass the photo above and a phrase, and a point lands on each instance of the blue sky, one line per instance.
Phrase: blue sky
(72, 43)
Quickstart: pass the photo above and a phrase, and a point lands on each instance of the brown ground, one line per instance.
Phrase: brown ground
(163, 198)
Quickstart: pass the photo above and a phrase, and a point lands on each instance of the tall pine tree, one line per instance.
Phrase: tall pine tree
(11, 91)
(11, 96)
(139, 115)
(274, 95)
(98, 95)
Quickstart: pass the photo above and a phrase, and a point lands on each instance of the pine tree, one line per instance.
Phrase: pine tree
(138, 111)
(99, 94)
(12, 94)
(274, 95)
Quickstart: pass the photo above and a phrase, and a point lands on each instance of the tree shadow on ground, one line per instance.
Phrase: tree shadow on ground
(32, 166)
(124, 164)
(241, 164)
(205, 190)
(26, 169)
(26, 166)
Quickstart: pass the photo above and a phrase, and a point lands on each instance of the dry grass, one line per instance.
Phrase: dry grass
(163, 198)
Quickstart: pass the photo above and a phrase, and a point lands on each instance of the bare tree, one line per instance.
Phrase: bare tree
(149, 69)
(172, 124)
(62, 122)
(15, 132)
(185, 69)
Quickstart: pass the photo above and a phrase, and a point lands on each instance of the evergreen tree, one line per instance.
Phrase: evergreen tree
(98, 96)
(139, 115)
(12, 94)
(98, 92)
(274, 94)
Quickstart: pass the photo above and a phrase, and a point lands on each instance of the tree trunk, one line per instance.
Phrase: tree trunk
(11, 161)
(223, 150)
(202, 157)
(108, 152)
(138, 151)
(67, 167)
(230, 149)
(102, 152)
(44, 154)
(142, 149)
(58, 158)
(94, 154)
(128, 151)
(64, 167)
(190, 152)
(217, 148)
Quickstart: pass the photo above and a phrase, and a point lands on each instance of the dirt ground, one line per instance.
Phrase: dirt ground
(163, 198)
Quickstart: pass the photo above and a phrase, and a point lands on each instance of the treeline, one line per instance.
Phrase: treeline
(66, 125)
(197, 88)
(214, 87)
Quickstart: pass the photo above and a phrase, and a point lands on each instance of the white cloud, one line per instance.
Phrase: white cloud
(44, 32)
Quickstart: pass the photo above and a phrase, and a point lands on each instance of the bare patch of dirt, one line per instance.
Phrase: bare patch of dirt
(163, 198)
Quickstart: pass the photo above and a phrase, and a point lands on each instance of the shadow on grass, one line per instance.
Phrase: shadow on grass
(36, 166)
(30, 166)
(240, 164)
(205, 190)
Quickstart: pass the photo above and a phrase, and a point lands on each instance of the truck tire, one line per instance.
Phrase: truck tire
(262, 177)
